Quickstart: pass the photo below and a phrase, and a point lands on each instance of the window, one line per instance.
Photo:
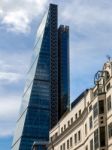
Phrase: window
(68, 123)
(67, 144)
(75, 137)
(79, 135)
(79, 113)
(102, 136)
(91, 144)
(95, 110)
(76, 116)
(85, 129)
(90, 122)
(96, 140)
(64, 126)
(63, 146)
(71, 142)
(110, 130)
(56, 134)
(86, 147)
(71, 120)
(109, 103)
(61, 129)
(108, 86)
(101, 106)
(90, 108)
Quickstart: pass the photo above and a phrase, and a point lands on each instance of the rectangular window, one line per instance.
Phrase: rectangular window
(109, 103)
(101, 106)
(71, 120)
(79, 113)
(56, 134)
(90, 122)
(75, 137)
(61, 129)
(64, 126)
(76, 116)
(67, 144)
(95, 110)
(108, 86)
(63, 146)
(85, 129)
(96, 140)
(102, 136)
(90, 108)
(86, 147)
(79, 135)
(110, 130)
(91, 144)
(68, 123)
(71, 142)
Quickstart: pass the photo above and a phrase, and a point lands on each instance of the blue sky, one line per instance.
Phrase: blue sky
(90, 24)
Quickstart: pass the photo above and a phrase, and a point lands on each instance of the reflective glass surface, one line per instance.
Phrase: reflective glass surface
(47, 84)
(63, 70)
(34, 120)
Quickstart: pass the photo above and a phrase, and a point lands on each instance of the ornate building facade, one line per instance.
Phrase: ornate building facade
(88, 125)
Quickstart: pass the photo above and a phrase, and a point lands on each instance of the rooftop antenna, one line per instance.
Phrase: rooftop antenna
(108, 57)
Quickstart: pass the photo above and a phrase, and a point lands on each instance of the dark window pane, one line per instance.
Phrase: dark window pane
(101, 106)
(102, 136)
(75, 137)
(110, 130)
(108, 86)
(79, 135)
(90, 122)
(95, 110)
(96, 140)
(71, 142)
(109, 103)
(91, 144)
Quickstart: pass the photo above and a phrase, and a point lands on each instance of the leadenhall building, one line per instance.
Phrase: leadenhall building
(46, 95)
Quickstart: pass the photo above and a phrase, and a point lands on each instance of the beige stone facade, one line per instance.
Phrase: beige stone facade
(88, 125)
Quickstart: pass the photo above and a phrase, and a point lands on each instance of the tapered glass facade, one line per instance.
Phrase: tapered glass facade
(39, 109)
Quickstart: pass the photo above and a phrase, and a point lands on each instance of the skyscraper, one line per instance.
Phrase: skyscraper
(39, 109)
(63, 70)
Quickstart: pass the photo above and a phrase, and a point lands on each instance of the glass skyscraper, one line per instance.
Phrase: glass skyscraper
(63, 70)
(46, 95)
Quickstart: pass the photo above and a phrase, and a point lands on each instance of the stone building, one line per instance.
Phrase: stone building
(88, 125)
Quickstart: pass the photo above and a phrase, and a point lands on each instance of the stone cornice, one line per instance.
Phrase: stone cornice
(71, 128)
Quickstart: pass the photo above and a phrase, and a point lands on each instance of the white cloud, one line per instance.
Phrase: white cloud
(3, 65)
(12, 67)
(17, 15)
(9, 77)
(13, 70)
(83, 13)
(17, 61)
(9, 107)
(17, 21)
(1, 12)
